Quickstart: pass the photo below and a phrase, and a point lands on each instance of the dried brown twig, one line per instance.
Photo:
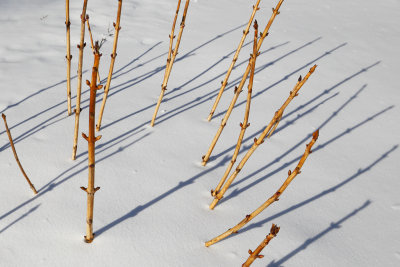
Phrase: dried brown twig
(113, 56)
(16, 156)
(81, 45)
(256, 253)
(90, 190)
(273, 198)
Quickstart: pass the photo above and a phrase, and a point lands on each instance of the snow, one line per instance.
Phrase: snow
(152, 208)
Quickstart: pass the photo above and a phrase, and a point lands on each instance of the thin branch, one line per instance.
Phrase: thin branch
(272, 199)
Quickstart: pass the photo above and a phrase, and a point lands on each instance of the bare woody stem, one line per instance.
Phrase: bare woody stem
(261, 138)
(16, 156)
(68, 56)
(91, 42)
(256, 253)
(81, 45)
(245, 123)
(272, 199)
(235, 57)
(170, 62)
(110, 72)
(172, 36)
(90, 190)
(239, 88)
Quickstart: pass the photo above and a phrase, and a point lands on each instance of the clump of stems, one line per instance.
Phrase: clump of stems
(81, 45)
(110, 72)
(272, 199)
(235, 57)
(238, 89)
(91, 139)
(171, 56)
(245, 123)
(16, 156)
(260, 140)
(256, 253)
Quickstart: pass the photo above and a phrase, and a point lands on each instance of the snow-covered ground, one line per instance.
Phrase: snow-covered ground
(152, 209)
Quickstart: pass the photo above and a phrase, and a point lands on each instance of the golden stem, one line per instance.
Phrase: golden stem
(113, 56)
(239, 88)
(169, 65)
(81, 45)
(16, 156)
(272, 199)
(245, 123)
(68, 56)
(258, 141)
(90, 190)
(256, 253)
(235, 57)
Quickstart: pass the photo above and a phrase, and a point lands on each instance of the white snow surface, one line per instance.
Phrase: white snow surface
(152, 208)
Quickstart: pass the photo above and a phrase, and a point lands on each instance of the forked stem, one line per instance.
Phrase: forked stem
(272, 199)
(239, 88)
(235, 57)
(16, 156)
(245, 123)
(256, 253)
(258, 141)
(110, 72)
(170, 61)
(81, 45)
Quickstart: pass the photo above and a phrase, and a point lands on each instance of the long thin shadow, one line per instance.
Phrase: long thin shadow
(167, 99)
(206, 70)
(286, 76)
(327, 91)
(200, 100)
(20, 218)
(332, 226)
(174, 189)
(39, 113)
(52, 184)
(324, 193)
(39, 126)
(288, 164)
(133, 61)
(188, 54)
(35, 94)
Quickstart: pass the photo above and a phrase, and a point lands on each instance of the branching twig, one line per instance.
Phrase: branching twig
(272, 199)
(16, 156)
